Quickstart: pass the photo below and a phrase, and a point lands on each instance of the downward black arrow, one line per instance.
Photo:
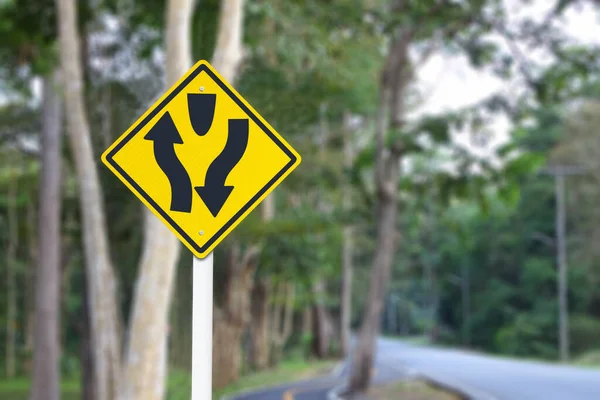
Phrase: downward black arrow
(214, 193)
(165, 135)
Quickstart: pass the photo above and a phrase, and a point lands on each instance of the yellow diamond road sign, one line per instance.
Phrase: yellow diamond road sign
(201, 158)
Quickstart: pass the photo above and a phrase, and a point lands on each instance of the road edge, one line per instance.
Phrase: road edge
(458, 388)
(467, 392)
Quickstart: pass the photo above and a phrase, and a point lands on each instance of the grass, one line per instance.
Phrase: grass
(416, 340)
(410, 390)
(179, 383)
(589, 359)
(18, 389)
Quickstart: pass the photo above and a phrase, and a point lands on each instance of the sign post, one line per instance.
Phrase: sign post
(202, 322)
(201, 159)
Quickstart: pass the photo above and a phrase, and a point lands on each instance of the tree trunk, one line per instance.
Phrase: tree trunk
(430, 273)
(88, 391)
(283, 320)
(322, 329)
(384, 254)
(228, 50)
(11, 267)
(561, 258)
(434, 331)
(259, 330)
(231, 318)
(322, 325)
(66, 264)
(307, 321)
(101, 280)
(347, 246)
(259, 335)
(144, 367)
(465, 286)
(395, 77)
(29, 303)
(46, 366)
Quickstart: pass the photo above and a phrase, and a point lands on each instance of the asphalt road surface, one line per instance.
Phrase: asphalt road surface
(494, 378)
(480, 376)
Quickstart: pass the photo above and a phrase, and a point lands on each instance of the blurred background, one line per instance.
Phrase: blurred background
(446, 197)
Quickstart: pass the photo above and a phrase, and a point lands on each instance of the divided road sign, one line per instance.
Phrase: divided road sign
(201, 158)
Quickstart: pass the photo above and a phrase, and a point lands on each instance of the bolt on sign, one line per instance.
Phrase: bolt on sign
(201, 158)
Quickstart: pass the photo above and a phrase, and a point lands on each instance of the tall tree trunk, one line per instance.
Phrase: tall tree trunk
(465, 288)
(283, 320)
(306, 326)
(259, 330)
(11, 267)
(347, 246)
(434, 330)
(101, 280)
(46, 366)
(65, 273)
(144, 367)
(230, 318)
(307, 321)
(29, 301)
(429, 270)
(322, 332)
(395, 77)
(88, 391)
(229, 50)
(322, 325)
(259, 334)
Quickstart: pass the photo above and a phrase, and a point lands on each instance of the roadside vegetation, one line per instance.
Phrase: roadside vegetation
(179, 381)
(590, 359)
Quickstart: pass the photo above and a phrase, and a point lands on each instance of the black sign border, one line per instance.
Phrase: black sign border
(159, 108)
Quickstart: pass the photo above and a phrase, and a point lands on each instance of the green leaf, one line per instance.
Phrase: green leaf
(524, 164)
(511, 194)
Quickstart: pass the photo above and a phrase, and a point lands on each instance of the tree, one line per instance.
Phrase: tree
(392, 89)
(467, 28)
(46, 367)
(101, 281)
(11, 272)
(145, 361)
(347, 246)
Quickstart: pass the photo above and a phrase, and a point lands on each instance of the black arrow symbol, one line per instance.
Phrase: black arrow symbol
(214, 193)
(201, 107)
(165, 135)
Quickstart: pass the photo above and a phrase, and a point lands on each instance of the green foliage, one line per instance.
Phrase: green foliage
(27, 36)
(529, 334)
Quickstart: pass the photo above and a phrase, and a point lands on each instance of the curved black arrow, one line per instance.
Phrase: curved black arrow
(201, 107)
(165, 135)
(214, 193)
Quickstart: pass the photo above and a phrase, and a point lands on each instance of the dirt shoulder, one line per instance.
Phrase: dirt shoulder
(410, 390)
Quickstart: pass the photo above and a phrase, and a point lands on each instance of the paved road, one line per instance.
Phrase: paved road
(483, 377)
(492, 378)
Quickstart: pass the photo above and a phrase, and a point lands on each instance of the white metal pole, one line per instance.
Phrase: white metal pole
(202, 322)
